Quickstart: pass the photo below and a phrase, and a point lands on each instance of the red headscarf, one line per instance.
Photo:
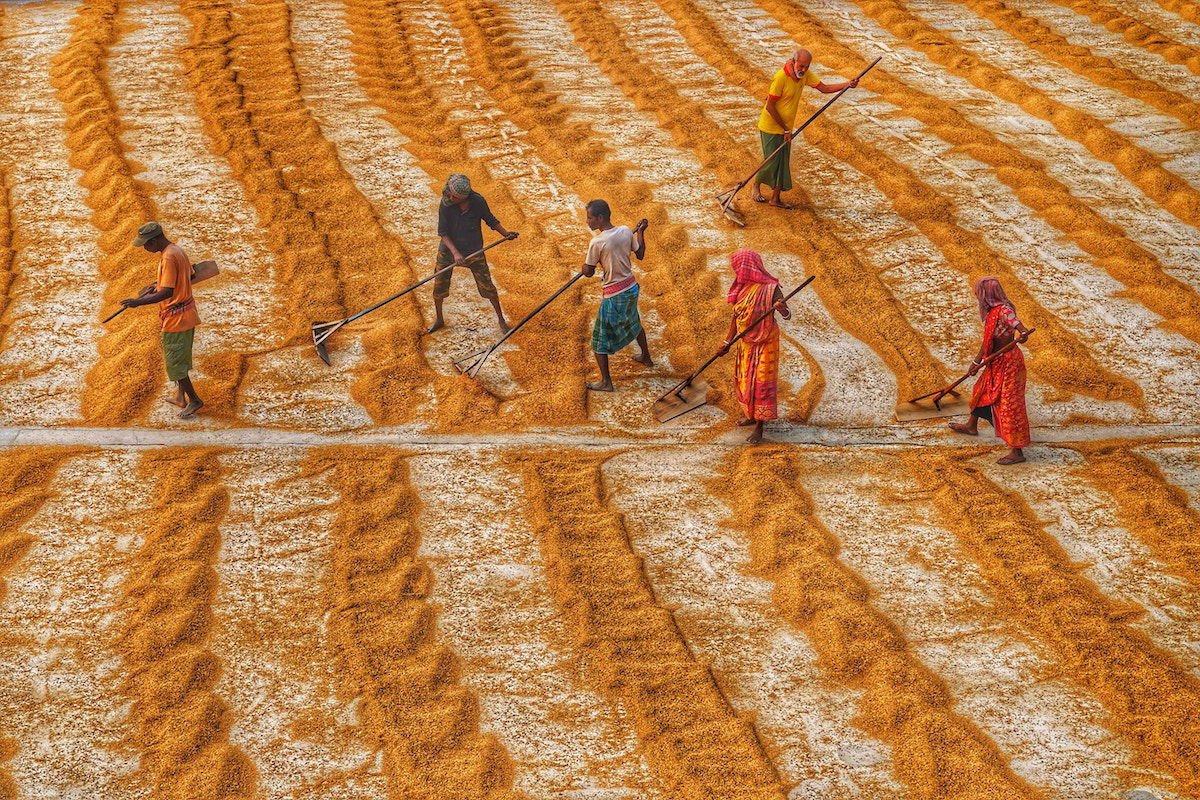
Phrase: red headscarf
(747, 268)
(990, 294)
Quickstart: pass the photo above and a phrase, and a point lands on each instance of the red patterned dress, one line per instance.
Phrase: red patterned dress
(756, 357)
(999, 395)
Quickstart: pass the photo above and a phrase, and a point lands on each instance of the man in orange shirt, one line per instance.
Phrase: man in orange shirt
(176, 310)
(777, 120)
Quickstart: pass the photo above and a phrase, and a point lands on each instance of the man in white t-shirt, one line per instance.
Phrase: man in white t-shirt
(618, 322)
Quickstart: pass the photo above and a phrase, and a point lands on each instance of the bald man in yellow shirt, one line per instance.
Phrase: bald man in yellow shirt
(777, 120)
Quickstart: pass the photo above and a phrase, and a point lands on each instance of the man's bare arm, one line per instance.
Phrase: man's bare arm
(639, 234)
(831, 88)
(457, 256)
(147, 299)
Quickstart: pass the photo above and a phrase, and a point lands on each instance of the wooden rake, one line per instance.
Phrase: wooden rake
(477, 359)
(726, 197)
(687, 395)
(928, 406)
(321, 331)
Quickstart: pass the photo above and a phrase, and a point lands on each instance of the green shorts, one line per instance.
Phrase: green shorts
(177, 353)
(479, 268)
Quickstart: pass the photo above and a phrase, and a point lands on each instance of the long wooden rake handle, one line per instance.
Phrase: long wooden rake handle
(115, 314)
(989, 359)
(339, 323)
(754, 323)
(730, 193)
(484, 354)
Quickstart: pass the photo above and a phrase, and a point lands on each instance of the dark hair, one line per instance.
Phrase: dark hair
(599, 208)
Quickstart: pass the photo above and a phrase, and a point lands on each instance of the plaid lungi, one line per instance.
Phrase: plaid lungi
(776, 173)
(618, 322)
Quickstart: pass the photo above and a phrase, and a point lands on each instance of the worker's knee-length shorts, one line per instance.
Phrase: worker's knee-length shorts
(479, 268)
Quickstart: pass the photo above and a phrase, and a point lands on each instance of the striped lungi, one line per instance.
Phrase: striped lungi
(618, 322)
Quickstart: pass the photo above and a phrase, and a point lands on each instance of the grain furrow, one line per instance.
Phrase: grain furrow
(1070, 20)
(383, 628)
(1100, 71)
(1188, 9)
(8, 255)
(1154, 702)
(1141, 271)
(44, 356)
(182, 723)
(1121, 559)
(1136, 31)
(1052, 731)
(282, 669)
(694, 740)
(60, 663)
(1140, 167)
(702, 570)
(328, 240)
(497, 614)
(1148, 504)
(122, 385)
(845, 283)
(936, 751)
(1065, 362)
(25, 486)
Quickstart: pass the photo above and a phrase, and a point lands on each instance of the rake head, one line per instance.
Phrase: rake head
(938, 404)
(680, 400)
(470, 365)
(728, 208)
(320, 332)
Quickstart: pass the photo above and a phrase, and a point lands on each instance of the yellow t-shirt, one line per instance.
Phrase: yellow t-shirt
(787, 89)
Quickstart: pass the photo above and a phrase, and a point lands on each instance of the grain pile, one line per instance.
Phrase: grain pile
(387, 581)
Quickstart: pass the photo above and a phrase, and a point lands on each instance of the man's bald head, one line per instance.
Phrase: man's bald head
(800, 61)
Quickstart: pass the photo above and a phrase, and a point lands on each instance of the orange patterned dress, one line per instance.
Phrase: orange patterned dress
(756, 357)
(999, 394)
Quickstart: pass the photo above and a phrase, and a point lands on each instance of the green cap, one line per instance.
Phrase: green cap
(146, 233)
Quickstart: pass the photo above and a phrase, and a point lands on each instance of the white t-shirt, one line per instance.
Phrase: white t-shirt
(610, 252)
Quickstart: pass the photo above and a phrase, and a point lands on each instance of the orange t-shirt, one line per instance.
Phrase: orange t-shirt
(178, 312)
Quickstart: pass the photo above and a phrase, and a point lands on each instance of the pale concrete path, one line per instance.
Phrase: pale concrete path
(910, 435)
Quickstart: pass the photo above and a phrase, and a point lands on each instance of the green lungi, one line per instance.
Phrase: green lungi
(776, 173)
(618, 322)
(177, 353)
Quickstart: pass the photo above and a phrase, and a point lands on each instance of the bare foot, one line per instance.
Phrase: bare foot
(962, 427)
(504, 327)
(758, 198)
(644, 358)
(744, 421)
(176, 400)
(755, 437)
(191, 409)
(601, 386)
(1011, 458)
(438, 324)
(781, 204)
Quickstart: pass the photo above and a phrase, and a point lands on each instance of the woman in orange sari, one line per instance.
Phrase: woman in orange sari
(756, 361)
(999, 395)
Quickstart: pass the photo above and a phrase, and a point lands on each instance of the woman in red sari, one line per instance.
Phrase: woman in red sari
(999, 395)
(756, 361)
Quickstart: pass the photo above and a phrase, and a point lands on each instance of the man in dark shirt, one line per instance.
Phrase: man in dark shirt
(459, 218)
